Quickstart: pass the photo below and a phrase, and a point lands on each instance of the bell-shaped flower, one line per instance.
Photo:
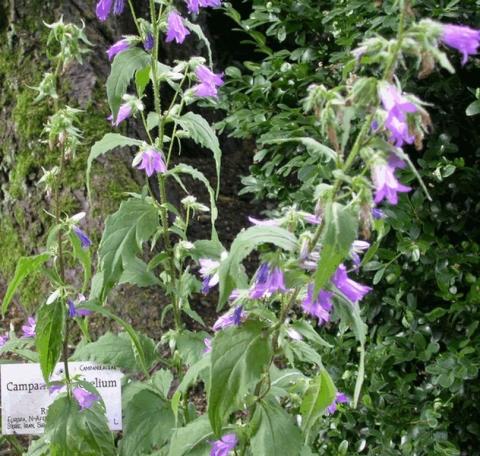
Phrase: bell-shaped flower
(117, 48)
(29, 328)
(4, 339)
(223, 446)
(104, 8)
(340, 398)
(150, 160)
(352, 290)
(233, 317)
(82, 236)
(209, 81)
(209, 273)
(319, 307)
(386, 184)
(84, 398)
(268, 280)
(176, 30)
(462, 38)
(357, 248)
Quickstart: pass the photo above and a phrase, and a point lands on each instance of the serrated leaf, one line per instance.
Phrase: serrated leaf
(49, 335)
(191, 437)
(195, 28)
(230, 271)
(148, 423)
(319, 395)
(134, 223)
(136, 272)
(109, 142)
(75, 432)
(192, 374)
(239, 357)
(276, 433)
(182, 168)
(25, 267)
(315, 148)
(202, 133)
(20, 347)
(340, 230)
(123, 69)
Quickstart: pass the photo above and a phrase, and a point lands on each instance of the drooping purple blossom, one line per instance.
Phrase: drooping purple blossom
(268, 280)
(358, 247)
(152, 161)
(55, 388)
(84, 398)
(340, 398)
(386, 184)
(352, 290)
(208, 344)
(210, 3)
(75, 311)
(124, 112)
(209, 82)
(175, 28)
(82, 236)
(29, 328)
(319, 307)
(118, 7)
(149, 42)
(194, 5)
(462, 38)
(223, 446)
(4, 339)
(233, 317)
(377, 213)
(103, 9)
(397, 108)
(117, 48)
(209, 273)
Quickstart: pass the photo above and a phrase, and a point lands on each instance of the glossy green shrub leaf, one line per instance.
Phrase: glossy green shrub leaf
(49, 335)
(339, 232)
(231, 273)
(74, 432)
(124, 67)
(239, 357)
(25, 267)
(147, 425)
(275, 431)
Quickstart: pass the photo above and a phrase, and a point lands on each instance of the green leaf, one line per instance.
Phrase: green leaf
(191, 437)
(144, 346)
(84, 257)
(134, 223)
(49, 335)
(136, 272)
(109, 142)
(123, 69)
(350, 314)
(192, 374)
(196, 174)
(25, 267)
(339, 232)
(275, 431)
(195, 28)
(303, 352)
(75, 432)
(20, 347)
(239, 357)
(191, 346)
(315, 148)
(142, 77)
(202, 133)
(113, 349)
(319, 395)
(473, 108)
(230, 271)
(148, 423)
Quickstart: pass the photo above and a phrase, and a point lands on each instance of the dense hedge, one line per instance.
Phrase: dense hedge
(421, 390)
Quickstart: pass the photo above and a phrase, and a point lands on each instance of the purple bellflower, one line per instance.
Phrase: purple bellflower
(4, 339)
(152, 161)
(175, 28)
(352, 290)
(340, 398)
(268, 222)
(319, 307)
(84, 398)
(358, 247)
(386, 184)
(377, 214)
(462, 38)
(232, 318)
(82, 236)
(104, 7)
(117, 48)
(29, 329)
(397, 108)
(73, 311)
(312, 218)
(210, 3)
(209, 273)
(223, 446)
(268, 281)
(55, 388)
(194, 5)
(124, 112)
(149, 42)
(209, 82)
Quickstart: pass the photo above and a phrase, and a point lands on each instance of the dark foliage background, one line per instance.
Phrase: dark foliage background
(421, 390)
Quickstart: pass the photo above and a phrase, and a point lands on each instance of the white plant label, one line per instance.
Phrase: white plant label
(25, 397)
